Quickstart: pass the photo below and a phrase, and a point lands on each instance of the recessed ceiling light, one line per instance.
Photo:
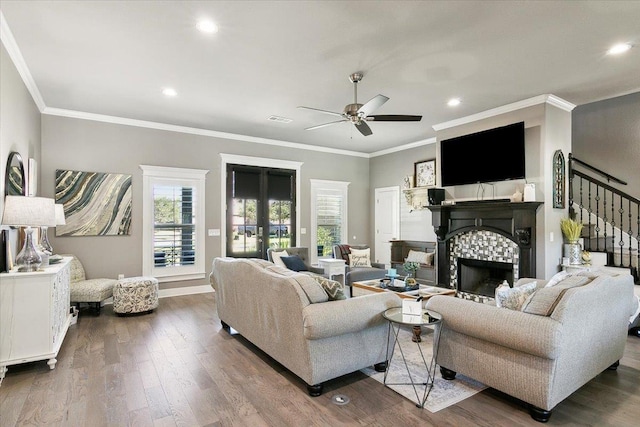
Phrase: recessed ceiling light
(453, 102)
(279, 119)
(169, 92)
(619, 48)
(206, 26)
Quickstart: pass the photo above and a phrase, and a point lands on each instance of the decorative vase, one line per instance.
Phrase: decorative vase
(573, 251)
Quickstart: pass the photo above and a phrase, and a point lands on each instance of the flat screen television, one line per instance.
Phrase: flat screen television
(488, 156)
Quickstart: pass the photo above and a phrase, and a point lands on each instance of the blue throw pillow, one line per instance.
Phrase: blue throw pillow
(294, 262)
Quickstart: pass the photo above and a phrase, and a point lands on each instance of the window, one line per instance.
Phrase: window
(173, 223)
(329, 216)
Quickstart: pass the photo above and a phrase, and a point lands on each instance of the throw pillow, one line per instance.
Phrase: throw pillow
(544, 301)
(276, 257)
(294, 262)
(514, 298)
(556, 279)
(335, 290)
(360, 258)
(417, 256)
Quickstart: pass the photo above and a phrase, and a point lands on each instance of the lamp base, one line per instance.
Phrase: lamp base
(28, 259)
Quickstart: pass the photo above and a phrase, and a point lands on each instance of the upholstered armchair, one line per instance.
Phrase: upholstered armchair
(90, 291)
(356, 274)
(273, 254)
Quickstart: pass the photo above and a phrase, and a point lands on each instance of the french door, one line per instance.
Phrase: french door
(260, 210)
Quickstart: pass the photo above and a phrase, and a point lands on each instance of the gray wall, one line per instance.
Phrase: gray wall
(606, 134)
(19, 122)
(389, 170)
(76, 144)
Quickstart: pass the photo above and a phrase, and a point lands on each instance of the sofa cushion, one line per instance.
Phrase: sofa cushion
(294, 262)
(360, 258)
(276, 257)
(334, 289)
(557, 278)
(310, 287)
(514, 298)
(543, 301)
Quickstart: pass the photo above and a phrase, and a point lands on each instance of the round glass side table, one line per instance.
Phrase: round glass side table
(397, 320)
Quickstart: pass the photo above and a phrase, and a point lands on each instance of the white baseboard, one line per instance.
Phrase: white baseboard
(174, 292)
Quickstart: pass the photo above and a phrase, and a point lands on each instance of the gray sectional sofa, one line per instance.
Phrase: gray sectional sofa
(288, 315)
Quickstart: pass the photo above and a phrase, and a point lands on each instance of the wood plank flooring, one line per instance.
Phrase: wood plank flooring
(177, 367)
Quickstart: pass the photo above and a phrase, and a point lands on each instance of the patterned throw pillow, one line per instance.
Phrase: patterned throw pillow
(514, 298)
(360, 258)
(335, 290)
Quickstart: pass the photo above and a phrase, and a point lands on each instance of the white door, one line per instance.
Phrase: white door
(387, 222)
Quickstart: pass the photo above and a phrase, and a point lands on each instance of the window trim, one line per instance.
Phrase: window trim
(152, 175)
(316, 186)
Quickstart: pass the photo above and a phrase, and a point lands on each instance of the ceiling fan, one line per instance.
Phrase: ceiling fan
(360, 114)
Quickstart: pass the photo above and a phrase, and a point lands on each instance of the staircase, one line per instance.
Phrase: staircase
(610, 216)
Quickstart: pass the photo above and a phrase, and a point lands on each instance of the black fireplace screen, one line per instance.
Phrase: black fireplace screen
(482, 277)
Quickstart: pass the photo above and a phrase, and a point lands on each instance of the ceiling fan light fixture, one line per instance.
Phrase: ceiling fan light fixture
(619, 48)
(453, 102)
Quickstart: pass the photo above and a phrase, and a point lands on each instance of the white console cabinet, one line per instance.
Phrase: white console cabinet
(34, 315)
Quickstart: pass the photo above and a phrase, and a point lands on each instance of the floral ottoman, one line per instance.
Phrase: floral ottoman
(135, 295)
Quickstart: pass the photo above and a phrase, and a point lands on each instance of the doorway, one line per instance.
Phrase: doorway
(387, 222)
(261, 210)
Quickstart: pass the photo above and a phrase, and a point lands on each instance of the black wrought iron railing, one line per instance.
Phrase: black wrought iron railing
(610, 216)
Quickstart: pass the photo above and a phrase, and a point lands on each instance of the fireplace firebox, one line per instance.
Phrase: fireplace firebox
(482, 277)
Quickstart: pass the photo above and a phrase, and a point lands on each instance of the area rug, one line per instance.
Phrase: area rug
(443, 394)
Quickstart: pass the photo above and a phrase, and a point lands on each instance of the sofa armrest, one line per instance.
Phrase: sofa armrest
(536, 335)
(335, 318)
(378, 265)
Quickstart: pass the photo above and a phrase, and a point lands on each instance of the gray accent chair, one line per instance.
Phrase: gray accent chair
(358, 274)
(303, 253)
(540, 358)
(90, 291)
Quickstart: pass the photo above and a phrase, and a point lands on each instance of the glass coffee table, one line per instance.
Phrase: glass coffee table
(397, 320)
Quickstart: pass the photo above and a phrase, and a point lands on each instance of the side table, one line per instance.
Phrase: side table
(396, 320)
(333, 267)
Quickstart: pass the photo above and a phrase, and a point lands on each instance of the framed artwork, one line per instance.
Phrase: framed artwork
(425, 173)
(95, 203)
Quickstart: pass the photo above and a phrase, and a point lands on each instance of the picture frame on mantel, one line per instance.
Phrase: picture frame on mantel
(425, 173)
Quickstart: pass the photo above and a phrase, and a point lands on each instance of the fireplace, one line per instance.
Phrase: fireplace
(480, 277)
(494, 232)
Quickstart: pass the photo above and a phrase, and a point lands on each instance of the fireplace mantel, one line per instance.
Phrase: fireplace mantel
(516, 221)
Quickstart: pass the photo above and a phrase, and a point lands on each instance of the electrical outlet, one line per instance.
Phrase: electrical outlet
(213, 232)
(303, 231)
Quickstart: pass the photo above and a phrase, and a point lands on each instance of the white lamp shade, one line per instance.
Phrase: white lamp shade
(23, 211)
(60, 219)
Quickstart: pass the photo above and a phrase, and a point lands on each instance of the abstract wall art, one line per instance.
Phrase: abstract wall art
(95, 203)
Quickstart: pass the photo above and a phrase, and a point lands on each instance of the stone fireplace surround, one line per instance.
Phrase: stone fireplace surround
(498, 231)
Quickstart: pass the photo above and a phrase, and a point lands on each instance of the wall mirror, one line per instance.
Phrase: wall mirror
(14, 178)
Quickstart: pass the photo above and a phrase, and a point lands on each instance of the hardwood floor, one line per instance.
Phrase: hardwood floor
(178, 367)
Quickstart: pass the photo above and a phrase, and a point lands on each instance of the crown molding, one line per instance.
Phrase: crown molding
(10, 44)
(194, 131)
(403, 147)
(536, 100)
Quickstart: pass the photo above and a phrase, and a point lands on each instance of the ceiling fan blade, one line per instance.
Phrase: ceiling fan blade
(372, 105)
(326, 124)
(363, 128)
(394, 118)
(322, 111)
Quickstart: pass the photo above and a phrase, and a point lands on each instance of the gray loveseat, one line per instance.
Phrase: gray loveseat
(538, 358)
(288, 316)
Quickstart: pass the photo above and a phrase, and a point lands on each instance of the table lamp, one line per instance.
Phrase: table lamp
(23, 211)
(44, 238)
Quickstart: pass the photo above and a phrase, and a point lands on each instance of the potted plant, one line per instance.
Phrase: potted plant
(410, 267)
(571, 230)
